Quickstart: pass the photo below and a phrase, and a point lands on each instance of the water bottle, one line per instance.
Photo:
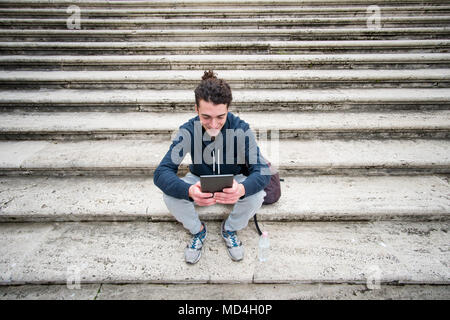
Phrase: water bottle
(263, 247)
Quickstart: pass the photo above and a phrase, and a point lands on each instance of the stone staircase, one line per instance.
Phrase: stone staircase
(361, 112)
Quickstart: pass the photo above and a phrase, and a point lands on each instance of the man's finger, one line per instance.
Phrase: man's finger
(232, 189)
(225, 194)
(204, 195)
(221, 196)
(229, 201)
(225, 198)
(208, 200)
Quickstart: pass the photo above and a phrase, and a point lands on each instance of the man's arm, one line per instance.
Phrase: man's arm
(165, 176)
(259, 172)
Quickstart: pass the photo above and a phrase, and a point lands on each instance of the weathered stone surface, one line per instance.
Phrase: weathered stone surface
(165, 98)
(101, 125)
(310, 10)
(321, 198)
(309, 156)
(225, 47)
(237, 79)
(224, 292)
(359, 217)
(50, 292)
(352, 253)
(227, 23)
(242, 60)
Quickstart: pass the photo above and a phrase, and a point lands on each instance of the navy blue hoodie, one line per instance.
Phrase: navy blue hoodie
(235, 146)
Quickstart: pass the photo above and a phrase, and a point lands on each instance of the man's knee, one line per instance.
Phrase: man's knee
(175, 203)
(256, 199)
(168, 199)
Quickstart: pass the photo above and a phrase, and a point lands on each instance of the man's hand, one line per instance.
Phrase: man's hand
(230, 195)
(200, 198)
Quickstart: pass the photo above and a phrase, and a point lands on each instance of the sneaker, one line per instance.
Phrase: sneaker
(193, 251)
(234, 245)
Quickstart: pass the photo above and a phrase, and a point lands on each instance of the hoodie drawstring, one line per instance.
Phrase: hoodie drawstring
(218, 162)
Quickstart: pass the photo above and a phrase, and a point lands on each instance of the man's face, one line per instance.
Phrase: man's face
(212, 116)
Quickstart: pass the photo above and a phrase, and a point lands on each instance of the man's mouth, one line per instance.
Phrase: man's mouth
(213, 132)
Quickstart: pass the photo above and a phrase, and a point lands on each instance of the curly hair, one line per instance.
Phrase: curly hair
(212, 89)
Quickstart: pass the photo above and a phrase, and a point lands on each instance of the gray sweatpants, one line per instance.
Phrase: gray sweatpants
(243, 210)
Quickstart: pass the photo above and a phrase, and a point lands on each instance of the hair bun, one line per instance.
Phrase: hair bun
(209, 75)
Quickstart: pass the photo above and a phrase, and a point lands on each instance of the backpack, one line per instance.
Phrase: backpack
(273, 189)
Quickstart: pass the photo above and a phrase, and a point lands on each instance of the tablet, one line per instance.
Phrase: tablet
(216, 183)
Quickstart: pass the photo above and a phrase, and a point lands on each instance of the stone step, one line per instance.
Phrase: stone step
(315, 198)
(243, 100)
(299, 157)
(362, 33)
(237, 79)
(227, 62)
(224, 47)
(241, 12)
(226, 23)
(355, 213)
(252, 291)
(304, 125)
(373, 253)
(208, 3)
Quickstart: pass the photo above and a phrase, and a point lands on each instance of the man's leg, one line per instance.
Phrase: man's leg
(183, 210)
(244, 209)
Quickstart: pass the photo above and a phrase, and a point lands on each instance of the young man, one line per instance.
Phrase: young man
(219, 142)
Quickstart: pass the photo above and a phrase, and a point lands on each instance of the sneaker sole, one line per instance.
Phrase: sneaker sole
(194, 262)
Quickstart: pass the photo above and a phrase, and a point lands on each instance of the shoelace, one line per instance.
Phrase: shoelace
(199, 236)
(232, 236)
